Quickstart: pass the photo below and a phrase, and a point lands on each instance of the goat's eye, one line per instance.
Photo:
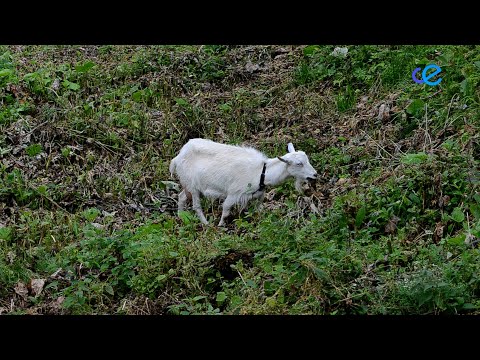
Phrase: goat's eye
(299, 164)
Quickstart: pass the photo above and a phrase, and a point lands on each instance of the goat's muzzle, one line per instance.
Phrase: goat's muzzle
(312, 181)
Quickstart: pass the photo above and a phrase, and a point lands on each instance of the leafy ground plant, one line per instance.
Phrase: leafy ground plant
(88, 221)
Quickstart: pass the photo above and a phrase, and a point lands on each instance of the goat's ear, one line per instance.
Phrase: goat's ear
(282, 159)
(290, 147)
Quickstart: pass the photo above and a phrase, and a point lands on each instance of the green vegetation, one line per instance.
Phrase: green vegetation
(87, 205)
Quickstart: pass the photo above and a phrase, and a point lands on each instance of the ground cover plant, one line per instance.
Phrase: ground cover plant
(88, 221)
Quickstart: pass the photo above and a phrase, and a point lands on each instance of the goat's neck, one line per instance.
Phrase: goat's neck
(276, 172)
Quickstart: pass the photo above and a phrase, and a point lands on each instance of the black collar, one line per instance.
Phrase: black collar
(262, 178)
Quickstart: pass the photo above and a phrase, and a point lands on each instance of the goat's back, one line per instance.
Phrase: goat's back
(205, 163)
(205, 147)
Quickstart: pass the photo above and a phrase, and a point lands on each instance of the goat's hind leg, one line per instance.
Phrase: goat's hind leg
(197, 206)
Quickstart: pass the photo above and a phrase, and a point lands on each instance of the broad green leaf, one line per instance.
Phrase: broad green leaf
(91, 214)
(85, 67)
(464, 86)
(161, 277)
(310, 50)
(448, 144)
(6, 72)
(320, 274)
(416, 107)
(442, 59)
(423, 61)
(225, 107)
(73, 86)
(181, 102)
(457, 240)
(5, 233)
(42, 189)
(31, 76)
(475, 210)
(360, 216)
(199, 297)
(235, 301)
(417, 158)
(185, 216)
(137, 96)
(70, 85)
(271, 302)
(166, 184)
(34, 150)
(477, 198)
(414, 198)
(457, 215)
(109, 289)
(221, 296)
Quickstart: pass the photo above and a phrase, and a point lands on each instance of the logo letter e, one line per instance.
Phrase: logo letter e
(425, 77)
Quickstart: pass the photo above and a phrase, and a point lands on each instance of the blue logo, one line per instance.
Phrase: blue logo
(425, 77)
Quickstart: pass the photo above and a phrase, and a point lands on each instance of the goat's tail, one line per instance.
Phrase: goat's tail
(173, 166)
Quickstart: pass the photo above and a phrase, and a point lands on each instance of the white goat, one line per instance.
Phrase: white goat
(235, 174)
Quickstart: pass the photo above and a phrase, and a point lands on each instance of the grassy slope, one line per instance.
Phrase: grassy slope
(86, 202)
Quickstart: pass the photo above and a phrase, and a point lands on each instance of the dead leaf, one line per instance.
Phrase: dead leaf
(56, 84)
(313, 208)
(438, 231)
(342, 181)
(36, 286)
(383, 113)
(443, 201)
(339, 52)
(392, 225)
(252, 67)
(11, 256)
(55, 275)
(57, 303)
(469, 238)
(21, 289)
(279, 53)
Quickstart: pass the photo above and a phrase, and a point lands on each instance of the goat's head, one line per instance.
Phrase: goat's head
(298, 166)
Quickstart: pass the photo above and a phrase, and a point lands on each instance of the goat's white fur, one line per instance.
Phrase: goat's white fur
(232, 173)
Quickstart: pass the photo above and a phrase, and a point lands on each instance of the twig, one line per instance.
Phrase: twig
(426, 135)
(36, 127)
(241, 277)
(352, 296)
(105, 146)
(376, 143)
(53, 202)
(448, 112)
(428, 97)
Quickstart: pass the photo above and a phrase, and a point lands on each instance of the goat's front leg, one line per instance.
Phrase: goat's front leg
(227, 205)
(260, 202)
(183, 197)
(198, 207)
